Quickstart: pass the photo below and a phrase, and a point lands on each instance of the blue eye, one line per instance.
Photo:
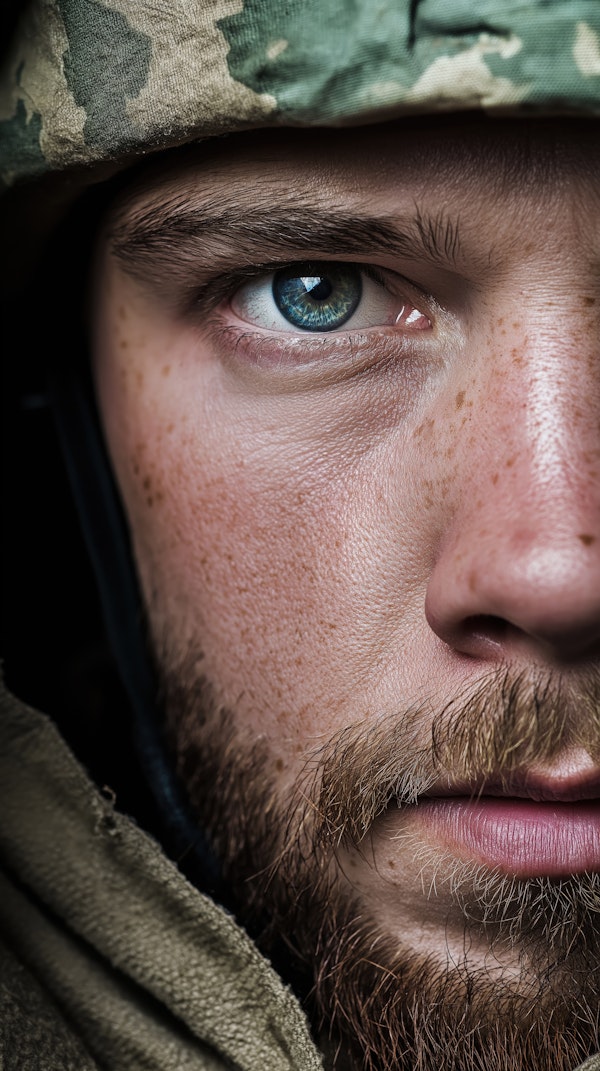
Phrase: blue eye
(322, 297)
(317, 297)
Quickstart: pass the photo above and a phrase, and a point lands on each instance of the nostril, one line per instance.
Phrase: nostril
(487, 627)
(486, 636)
(489, 624)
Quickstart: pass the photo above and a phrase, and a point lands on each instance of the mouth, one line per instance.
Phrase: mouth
(525, 826)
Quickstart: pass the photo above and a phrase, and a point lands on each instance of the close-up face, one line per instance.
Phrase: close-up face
(350, 386)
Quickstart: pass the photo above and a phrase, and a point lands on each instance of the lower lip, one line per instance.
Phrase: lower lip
(521, 837)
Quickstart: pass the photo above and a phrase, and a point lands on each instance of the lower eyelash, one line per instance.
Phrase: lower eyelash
(335, 358)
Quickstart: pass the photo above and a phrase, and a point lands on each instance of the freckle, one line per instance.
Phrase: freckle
(279, 765)
(166, 369)
(124, 344)
(510, 462)
(170, 428)
(150, 501)
(589, 301)
(495, 478)
(587, 540)
(459, 400)
(147, 484)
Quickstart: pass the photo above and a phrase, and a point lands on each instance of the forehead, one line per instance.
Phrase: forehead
(459, 156)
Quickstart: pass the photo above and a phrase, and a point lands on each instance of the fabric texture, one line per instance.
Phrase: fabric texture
(110, 959)
(88, 80)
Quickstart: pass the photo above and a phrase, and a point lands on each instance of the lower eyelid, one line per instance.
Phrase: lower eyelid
(316, 360)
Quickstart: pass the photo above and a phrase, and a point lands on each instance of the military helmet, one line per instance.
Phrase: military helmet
(89, 86)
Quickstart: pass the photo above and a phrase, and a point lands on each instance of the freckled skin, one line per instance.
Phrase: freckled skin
(328, 546)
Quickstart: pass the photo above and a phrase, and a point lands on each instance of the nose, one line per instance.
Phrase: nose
(517, 572)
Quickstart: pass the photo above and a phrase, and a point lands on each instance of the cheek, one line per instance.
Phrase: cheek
(287, 543)
(246, 566)
(241, 540)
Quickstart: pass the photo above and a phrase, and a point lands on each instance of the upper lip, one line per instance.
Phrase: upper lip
(527, 785)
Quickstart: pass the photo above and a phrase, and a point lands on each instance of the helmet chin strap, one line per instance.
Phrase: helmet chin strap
(106, 537)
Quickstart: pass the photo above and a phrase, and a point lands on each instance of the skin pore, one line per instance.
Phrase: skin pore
(370, 557)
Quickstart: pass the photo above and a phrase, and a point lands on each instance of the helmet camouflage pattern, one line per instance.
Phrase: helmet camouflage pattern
(105, 80)
(90, 86)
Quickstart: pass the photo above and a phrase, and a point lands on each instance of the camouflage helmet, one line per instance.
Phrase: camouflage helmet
(90, 85)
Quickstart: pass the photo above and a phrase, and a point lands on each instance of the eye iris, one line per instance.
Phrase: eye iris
(317, 297)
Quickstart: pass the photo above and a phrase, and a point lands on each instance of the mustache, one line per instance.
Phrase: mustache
(508, 724)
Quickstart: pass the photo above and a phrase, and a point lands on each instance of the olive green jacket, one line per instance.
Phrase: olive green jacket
(109, 958)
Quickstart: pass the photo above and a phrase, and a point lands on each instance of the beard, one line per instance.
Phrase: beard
(375, 1001)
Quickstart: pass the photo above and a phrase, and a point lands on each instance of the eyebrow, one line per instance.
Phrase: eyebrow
(166, 240)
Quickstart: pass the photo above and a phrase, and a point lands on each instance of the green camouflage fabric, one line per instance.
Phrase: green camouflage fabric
(104, 80)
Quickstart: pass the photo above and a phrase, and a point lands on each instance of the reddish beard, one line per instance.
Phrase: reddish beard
(376, 1006)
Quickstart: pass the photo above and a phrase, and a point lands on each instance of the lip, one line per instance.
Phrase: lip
(520, 837)
(528, 785)
(526, 824)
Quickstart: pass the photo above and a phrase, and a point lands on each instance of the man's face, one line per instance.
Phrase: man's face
(350, 383)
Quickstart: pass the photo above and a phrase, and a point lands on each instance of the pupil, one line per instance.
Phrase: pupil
(319, 289)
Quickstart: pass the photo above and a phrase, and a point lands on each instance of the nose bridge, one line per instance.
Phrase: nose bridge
(540, 411)
(523, 545)
(537, 442)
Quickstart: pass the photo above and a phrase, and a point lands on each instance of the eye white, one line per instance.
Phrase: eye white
(254, 304)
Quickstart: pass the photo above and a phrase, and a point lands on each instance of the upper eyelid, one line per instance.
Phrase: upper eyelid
(224, 285)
